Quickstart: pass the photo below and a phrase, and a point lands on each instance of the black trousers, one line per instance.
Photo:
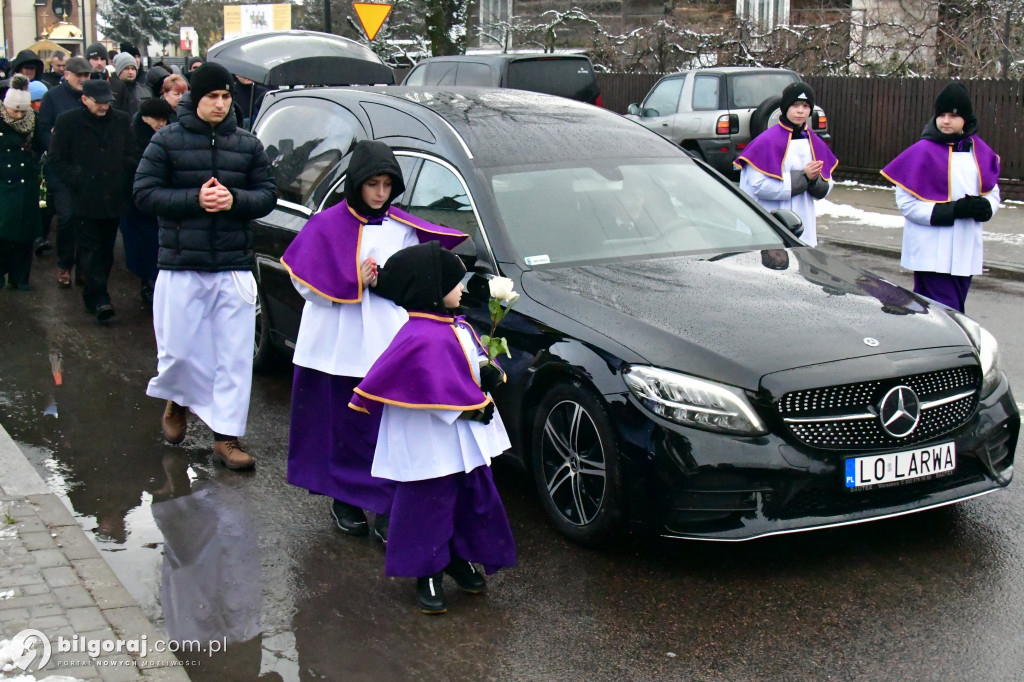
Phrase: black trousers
(57, 196)
(15, 261)
(95, 239)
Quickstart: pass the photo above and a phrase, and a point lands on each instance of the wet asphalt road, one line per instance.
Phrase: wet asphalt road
(932, 596)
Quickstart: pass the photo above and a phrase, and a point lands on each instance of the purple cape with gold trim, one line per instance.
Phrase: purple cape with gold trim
(923, 169)
(325, 254)
(767, 152)
(424, 368)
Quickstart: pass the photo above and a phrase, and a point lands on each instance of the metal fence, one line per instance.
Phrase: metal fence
(874, 119)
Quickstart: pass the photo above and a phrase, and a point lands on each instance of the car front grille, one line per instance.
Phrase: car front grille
(845, 417)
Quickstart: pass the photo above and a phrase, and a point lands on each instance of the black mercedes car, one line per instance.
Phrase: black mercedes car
(680, 361)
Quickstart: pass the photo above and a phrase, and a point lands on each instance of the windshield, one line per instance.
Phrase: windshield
(750, 89)
(610, 209)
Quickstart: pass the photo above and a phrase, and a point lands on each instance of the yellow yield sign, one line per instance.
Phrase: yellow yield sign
(371, 16)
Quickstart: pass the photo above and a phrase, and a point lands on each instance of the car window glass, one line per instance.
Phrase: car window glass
(616, 209)
(391, 122)
(472, 73)
(441, 73)
(747, 90)
(407, 164)
(664, 98)
(705, 93)
(573, 78)
(440, 197)
(417, 76)
(303, 139)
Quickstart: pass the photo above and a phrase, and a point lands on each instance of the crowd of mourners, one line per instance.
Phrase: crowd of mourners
(66, 180)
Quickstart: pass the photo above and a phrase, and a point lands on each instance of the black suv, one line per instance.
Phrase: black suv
(564, 75)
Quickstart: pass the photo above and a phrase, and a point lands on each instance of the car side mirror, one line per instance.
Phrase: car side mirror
(790, 220)
(633, 109)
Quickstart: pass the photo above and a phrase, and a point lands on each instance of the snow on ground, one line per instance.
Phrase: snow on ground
(858, 215)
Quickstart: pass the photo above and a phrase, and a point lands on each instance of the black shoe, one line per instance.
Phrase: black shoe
(430, 594)
(41, 246)
(380, 527)
(351, 520)
(466, 576)
(104, 312)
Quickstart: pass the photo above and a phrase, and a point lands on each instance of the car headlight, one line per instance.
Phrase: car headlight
(988, 351)
(694, 402)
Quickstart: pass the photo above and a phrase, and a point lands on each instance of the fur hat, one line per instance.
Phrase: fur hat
(794, 93)
(122, 61)
(156, 107)
(17, 97)
(954, 99)
(207, 78)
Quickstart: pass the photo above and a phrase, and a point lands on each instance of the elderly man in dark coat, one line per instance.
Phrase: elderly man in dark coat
(93, 152)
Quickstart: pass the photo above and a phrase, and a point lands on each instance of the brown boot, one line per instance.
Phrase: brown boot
(231, 455)
(175, 422)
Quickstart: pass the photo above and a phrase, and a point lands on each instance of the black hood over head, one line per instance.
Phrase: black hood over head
(27, 58)
(419, 277)
(371, 158)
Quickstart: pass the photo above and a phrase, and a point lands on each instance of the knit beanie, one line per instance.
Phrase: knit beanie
(96, 50)
(207, 78)
(795, 92)
(122, 61)
(17, 97)
(37, 89)
(954, 99)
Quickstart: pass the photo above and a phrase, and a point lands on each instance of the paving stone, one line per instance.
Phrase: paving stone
(75, 544)
(112, 597)
(38, 540)
(95, 572)
(60, 576)
(21, 578)
(36, 588)
(102, 634)
(118, 668)
(10, 615)
(28, 601)
(73, 596)
(30, 524)
(44, 610)
(51, 510)
(47, 558)
(50, 624)
(87, 619)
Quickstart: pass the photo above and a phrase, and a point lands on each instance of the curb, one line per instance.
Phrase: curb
(992, 268)
(79, 585)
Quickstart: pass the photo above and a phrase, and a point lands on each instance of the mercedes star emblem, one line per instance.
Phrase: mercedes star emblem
(899, 412)
(868, 341)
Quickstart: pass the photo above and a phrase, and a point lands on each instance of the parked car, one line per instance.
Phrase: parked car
(714, 113)
(565, 75)
(680, 361)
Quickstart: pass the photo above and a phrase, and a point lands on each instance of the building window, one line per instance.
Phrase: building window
(494, 23)
(767, 14)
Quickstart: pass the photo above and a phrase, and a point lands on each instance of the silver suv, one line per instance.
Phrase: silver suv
(713, 113)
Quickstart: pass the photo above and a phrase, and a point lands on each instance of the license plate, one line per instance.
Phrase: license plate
(899, 467)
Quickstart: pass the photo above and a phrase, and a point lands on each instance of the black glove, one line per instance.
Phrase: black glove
(490, 378)
(483, 415)
(981, 209)
(964, 207)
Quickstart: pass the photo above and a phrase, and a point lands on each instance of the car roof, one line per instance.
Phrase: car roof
(506, 127)
(503, 57)
(727, 70)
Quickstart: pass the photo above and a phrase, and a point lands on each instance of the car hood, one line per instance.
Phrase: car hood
(736, 317)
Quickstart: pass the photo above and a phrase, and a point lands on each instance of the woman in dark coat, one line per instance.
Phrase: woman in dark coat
(139, 231)
(19, 184)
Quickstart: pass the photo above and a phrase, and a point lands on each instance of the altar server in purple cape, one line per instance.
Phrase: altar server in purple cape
(788, 166)
(345, 326)
(946, 187)
(438, 433)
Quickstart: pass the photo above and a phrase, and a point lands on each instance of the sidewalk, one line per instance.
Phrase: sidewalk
(52, 579)
(867, 217)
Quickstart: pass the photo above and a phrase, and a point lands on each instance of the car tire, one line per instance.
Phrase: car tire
(762, 115)
(264, 356)
(575, 465)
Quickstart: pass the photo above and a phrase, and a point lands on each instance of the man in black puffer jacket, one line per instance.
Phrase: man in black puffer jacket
(205, 179)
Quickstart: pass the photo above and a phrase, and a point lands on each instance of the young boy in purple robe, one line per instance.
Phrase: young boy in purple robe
(788, 166)
(345, 326)
(438, 433)
(946, 187)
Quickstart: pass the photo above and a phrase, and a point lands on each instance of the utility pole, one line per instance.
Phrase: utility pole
(327, 16)
(1006, 46)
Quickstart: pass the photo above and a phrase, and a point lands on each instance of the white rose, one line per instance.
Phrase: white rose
(501, 288)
